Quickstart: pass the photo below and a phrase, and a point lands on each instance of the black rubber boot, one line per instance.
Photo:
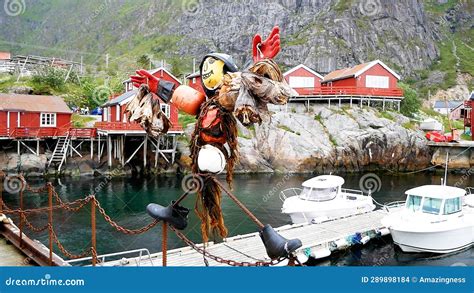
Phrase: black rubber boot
(175, 216)
(276, 245)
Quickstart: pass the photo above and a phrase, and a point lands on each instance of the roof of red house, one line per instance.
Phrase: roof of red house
(193, 75)
(5, 56)
(355, 71)
(33, 103)
(305, 68)
(153, 71)
(122, 99)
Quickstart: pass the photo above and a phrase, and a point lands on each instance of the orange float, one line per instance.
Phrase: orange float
(188, 99)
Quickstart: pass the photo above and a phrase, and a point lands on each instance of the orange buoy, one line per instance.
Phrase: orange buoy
(188, 99)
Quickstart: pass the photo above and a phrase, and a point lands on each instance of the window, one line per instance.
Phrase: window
(319, 194)
(452, 205)
(301, 82)
(105, 114)
(413, 202)
(48, 119)
(375, 81)
(431, 205)
(166, 109)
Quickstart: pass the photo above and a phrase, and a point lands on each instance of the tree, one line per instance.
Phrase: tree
(144, 61)
(411, 102)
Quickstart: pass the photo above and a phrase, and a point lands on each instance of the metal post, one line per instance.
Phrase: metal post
(50, 222)
(93, 240)
(164, 244)
(145, 150)
(2, 177)
(21, 217)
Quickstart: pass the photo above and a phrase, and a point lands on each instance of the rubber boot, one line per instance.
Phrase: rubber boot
(276, 245)
(176, 216)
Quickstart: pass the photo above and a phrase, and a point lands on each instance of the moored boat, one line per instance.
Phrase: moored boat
(435, 218)
(323, 198)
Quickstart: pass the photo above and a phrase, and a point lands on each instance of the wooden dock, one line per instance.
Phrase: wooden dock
(318, 240)
(10, 256)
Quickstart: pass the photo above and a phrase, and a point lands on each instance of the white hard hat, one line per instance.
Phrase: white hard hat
(211, 159)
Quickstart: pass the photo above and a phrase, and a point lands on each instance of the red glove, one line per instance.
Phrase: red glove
(268, 48)
(144, 77)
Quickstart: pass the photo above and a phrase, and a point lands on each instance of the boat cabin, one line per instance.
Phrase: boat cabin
(435, 199)
(322, 188)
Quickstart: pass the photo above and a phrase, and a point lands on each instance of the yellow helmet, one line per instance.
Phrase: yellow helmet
(213, 68)
(212, 73)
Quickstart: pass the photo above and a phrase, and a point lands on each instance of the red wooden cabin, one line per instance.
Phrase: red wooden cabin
(194, 81)
(33, 116)
(372, 78)
(113, 116)
(303, 79)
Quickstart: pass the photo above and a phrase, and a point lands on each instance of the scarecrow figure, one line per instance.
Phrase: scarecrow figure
(229, 95)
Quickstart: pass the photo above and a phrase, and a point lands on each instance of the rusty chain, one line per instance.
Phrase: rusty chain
(32, 227)
(120, 228)
(63, 250)
(221, 260)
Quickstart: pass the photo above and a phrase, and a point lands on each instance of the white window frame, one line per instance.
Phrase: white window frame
(105, 114)
(300, 82)
(165, 108)
(48, 119)
(117, 113)
(377, 81)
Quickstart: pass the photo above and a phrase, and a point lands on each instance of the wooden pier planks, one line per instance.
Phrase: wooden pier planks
(32, 249)
(10, 256)
(250, 248)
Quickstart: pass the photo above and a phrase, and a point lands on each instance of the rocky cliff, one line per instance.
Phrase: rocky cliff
(323, 34)
(331, 139)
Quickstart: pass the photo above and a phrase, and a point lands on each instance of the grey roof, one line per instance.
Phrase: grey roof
(119, 99)
(471, 97)
(447, 104)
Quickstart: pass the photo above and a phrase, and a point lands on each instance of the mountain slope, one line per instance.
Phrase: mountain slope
(325, 35)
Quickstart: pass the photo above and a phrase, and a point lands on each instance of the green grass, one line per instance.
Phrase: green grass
(465, 136)
(186, 119)
(240, 134)
(81, 121)
(332, 140)
(286, 128)
(386, 115)
(409, 125)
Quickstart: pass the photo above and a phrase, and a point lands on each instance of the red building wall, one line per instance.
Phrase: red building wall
(196, 84)
(342, 82)
(302, 72)
(377, 70)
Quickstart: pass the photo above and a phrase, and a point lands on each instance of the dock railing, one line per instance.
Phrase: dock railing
(284, 194)
(102, 258)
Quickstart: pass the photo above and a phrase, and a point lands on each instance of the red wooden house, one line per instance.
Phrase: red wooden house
(33, 116)
(114, 117)
(374, 77)
(303, 79)
(194, 81)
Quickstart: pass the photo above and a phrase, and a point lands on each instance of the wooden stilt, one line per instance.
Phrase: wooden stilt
(92, 148)
(37, 147)
(145, 148)
(98, 149)
(109, 150)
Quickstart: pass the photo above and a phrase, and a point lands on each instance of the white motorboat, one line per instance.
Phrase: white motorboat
(323, 198)
(435, 218)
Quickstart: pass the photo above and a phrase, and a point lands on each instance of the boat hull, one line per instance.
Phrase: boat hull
(328, 214)
(436, 242)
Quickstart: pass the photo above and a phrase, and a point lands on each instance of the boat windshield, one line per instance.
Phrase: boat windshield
(413, 203)
(452, 205)
(318, 194)
(432, 205)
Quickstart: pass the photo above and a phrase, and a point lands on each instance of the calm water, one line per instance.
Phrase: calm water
(125, 200)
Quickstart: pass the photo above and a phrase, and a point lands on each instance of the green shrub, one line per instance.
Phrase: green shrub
(411, 103)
